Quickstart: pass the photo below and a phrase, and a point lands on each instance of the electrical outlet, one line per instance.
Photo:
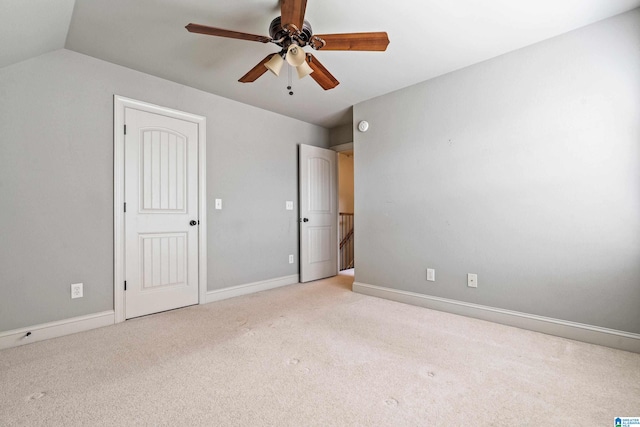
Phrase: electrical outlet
(289, 205)
(76, 290)
(472, 280)
(290, 259)
(431, 274)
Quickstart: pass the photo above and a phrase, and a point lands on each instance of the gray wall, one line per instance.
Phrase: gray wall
(524, 169)
(341, 134)
(56, 184)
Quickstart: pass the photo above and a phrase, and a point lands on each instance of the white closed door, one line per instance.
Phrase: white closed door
(161, 218)
(318, 213)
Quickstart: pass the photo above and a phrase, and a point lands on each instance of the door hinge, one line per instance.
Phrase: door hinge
(125, 285)
(125, 129)
(125, 207)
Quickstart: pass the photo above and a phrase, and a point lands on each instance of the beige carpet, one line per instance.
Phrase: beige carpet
(315, 355)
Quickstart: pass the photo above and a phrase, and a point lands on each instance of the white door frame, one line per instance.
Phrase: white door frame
(119, 105)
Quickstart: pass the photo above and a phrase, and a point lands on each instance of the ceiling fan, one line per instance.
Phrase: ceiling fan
(292, 33)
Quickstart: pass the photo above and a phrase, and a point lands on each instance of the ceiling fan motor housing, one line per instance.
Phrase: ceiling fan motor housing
(284, 38)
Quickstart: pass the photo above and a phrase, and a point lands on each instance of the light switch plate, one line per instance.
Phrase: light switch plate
(218, 204)
(289, 205)
(472, 280)
(431, 274)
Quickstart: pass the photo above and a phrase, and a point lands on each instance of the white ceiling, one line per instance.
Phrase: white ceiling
(428, 38)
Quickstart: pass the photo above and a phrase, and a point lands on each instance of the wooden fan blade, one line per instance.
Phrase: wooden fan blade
(292, 12)
(355, 41)
(321, 75)
(212, 31)
(256, 71)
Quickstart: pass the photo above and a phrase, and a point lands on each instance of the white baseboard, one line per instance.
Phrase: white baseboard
(56, 329)
(562, 328)
(73, 325)
(250, 288)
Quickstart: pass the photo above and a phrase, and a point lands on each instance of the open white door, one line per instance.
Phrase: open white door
(161, 219)
(318, 213)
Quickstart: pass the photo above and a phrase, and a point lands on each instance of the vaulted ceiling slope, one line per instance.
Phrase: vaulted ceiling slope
(428, 38)
(30, 28)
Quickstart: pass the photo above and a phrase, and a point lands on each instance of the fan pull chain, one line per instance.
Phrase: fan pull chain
(290, 83)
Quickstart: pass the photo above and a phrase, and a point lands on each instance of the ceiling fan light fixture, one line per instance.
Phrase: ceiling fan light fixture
(304, 70)
(275, 63)
(295, 55)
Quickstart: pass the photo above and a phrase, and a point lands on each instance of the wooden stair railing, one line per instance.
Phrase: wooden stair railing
(346, 241)
(346, 238)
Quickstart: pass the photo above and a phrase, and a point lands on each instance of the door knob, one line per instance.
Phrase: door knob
(305, 219)
(193, 222)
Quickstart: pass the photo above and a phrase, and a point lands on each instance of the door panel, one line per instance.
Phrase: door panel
(163, 176)
(318, 205)
(163, 260)
(161, 192)
(319, 185)
(319, 244)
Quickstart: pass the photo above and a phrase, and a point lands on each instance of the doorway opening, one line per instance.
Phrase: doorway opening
(346, 236)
